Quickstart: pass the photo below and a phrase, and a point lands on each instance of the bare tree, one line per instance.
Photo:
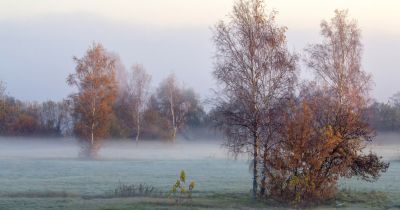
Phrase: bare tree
(337, 60)
(48, 116)
(54, 118)
(254, 69)
(138, 91)
(174, 105)
(92, 105)
(337, 65)
(65, 118)
(172, 95)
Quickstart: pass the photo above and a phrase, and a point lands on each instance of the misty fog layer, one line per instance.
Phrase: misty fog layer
(52, 164)
(26, 148)
(385, 144)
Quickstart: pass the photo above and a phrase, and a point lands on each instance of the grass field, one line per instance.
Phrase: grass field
(61, 181)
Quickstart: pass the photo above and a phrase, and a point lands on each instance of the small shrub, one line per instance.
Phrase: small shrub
(179, 191)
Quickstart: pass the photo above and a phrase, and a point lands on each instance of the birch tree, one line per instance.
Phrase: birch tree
(170, 92)
(173, 104)
(337, 60)
(138, 90)
(95, 81)
(254, 69)
(337, 65)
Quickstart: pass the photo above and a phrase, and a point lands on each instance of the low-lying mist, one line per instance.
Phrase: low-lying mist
(49, 148)
(386, 144)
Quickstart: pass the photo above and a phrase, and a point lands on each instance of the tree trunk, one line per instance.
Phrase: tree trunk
(138, 128)
(174, 133)
(265, 156)
(91, 147)
(173, 118)
(92, 128)
(92, 138)
(255, 155)
(264, 171)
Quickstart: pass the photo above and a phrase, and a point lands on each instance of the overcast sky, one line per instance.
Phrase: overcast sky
(38, 38)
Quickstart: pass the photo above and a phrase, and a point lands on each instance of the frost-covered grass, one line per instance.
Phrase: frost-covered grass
(98, 177)
(55, 179)
(73, 183)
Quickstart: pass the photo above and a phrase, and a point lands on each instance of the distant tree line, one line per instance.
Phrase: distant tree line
(385, 116)
(116, 102)
(18, 118)
(51, 118)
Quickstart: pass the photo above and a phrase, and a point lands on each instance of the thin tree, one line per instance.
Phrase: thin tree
(254, 69)
(172, 95)
(173, 104)
(94, 78)
(138, 88)
(337, 65)
(337, 60)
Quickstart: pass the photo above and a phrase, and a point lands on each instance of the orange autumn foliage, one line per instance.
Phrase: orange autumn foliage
(92, 105)
(318, 145)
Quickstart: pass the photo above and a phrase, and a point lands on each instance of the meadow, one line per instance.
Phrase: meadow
(46, 174)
